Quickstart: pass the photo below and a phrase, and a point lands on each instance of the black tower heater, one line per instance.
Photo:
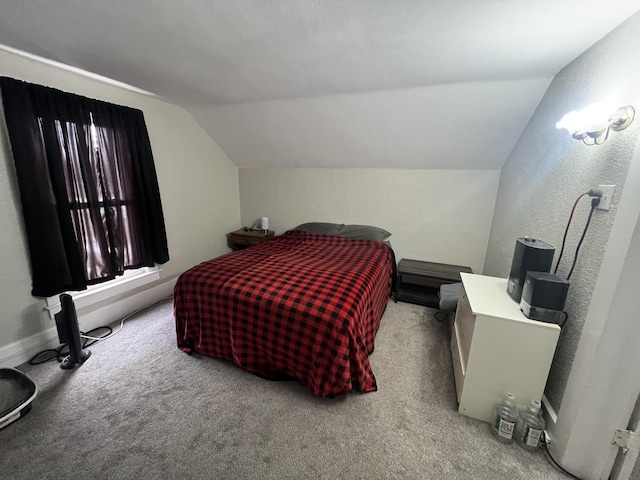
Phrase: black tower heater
(69, 333)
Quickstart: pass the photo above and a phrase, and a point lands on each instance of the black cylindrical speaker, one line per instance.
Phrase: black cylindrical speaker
(529, 255)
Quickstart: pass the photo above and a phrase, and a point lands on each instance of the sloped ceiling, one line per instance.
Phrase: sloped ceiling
(329, 83)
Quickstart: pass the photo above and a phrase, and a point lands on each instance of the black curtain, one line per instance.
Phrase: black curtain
(88, 187)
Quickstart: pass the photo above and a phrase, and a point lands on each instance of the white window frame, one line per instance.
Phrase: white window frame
(130, 280)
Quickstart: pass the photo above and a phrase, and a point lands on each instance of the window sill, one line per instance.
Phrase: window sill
(104, 291)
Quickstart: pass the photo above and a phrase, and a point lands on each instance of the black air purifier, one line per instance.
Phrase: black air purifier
(543, 297)
(529, 255)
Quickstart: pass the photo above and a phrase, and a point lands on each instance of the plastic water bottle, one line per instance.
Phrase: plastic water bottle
(530, 426)
(505, 417)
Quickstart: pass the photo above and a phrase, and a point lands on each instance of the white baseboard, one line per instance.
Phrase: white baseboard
(23, 350)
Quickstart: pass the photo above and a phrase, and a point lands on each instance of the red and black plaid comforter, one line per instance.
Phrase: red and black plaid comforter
(303, 305)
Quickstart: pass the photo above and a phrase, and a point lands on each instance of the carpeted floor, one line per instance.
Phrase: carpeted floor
(140, 408)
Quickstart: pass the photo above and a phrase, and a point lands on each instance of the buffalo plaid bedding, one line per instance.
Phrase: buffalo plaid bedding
(303, 305)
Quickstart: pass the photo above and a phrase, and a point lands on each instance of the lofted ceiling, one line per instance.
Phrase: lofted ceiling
(329, 83)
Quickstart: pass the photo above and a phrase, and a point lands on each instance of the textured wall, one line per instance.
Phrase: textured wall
(198, 186)
(436, 215)
(547, 170)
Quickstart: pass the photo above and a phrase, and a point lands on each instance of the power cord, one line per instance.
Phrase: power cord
(86, 336)
(59, 353)
(596, 194)
(594, 203)
(566, 230)
(546, 449)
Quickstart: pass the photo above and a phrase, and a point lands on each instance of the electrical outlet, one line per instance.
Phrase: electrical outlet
(607, 196)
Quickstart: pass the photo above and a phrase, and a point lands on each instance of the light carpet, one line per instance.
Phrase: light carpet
(140, 408)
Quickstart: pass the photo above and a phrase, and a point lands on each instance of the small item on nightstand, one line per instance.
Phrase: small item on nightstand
(505, 418)
(530, 426)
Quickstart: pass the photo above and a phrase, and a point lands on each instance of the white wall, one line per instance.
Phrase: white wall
(604, 385)
(544, 174)
(440, 125)
(434, 215)
(198, 187)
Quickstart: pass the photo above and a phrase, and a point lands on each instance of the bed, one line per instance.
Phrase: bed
(305, 305)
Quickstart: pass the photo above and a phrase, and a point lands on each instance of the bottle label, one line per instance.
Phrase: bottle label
(532, 436)
(504, 428)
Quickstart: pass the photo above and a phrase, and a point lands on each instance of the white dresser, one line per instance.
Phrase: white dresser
(496, 349)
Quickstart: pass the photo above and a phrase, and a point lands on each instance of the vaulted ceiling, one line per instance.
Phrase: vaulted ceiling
(330, 83)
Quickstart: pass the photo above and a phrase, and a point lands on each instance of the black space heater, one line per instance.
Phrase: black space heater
(69, 333)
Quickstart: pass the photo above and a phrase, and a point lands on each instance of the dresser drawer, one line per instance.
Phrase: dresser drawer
(421, 280)
(454, 339)
(464, 324)
(242, 240)
(458, 369)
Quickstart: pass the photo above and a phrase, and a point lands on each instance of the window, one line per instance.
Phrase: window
(100, 198)
(88, 186)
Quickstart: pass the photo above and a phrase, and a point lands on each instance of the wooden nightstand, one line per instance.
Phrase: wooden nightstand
(242, 239)
(419, 282)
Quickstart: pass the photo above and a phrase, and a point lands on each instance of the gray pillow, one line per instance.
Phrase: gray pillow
(320, 227)
(363, 232)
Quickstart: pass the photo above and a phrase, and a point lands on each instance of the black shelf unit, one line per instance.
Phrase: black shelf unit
(419, 282)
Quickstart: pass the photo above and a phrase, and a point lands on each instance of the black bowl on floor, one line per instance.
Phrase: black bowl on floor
(17, 391)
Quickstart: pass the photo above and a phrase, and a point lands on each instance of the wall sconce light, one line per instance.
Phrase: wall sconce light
(592, 124)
